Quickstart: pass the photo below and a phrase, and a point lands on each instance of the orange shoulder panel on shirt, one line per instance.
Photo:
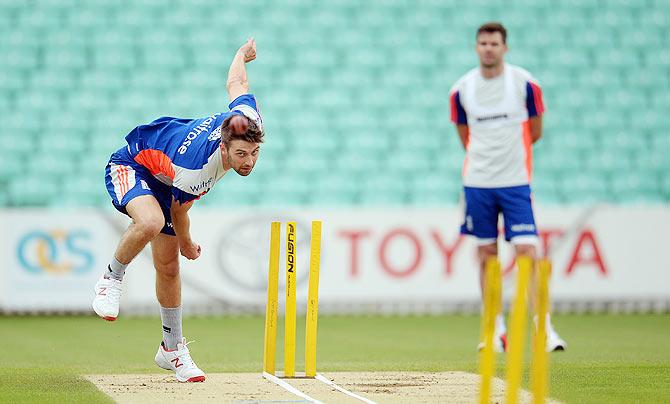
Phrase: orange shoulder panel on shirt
(156, 162)
(528, 147)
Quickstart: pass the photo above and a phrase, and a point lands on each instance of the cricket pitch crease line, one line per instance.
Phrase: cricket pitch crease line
(320, 378)
(279, 382)
(329, 382)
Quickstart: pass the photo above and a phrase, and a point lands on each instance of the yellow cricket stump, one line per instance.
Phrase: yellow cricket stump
(518, 330)
(312, 301)
(492, 303)
(270, 339)
(290, 323)
(540, 364)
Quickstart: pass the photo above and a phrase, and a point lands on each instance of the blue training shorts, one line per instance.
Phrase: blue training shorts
(126, 180)
(483, 205)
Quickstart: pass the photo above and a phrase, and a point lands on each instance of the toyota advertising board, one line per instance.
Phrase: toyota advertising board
(398, 260)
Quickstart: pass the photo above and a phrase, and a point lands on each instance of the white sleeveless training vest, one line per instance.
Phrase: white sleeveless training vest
(499, 150)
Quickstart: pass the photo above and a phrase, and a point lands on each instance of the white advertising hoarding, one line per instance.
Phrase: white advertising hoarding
(402, 258)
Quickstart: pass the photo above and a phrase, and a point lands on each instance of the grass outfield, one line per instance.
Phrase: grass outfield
(610, 358)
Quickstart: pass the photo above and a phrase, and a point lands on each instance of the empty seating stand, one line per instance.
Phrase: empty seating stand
(354, 95)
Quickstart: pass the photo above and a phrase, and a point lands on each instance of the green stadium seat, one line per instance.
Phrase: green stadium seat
(545, 187)
(584, 187)
(601, 120)
(560, 160)
(660, 142)
(38, 101)
(664, 188)
(282, 197)
(152, 79)
(65, 58)
(83, 191)
(5, 101)
(624, 98)
(93, 163)
(660, 100)
(597, 79)
(656, 15)
(32, 190)
(25, 43)
(51, 165)
(117, 56)
(12, 80)
(269, 166)
(413, 162)
(310, 121)
(11, 166)
(355, 163)
(435, 188)
(53, 80)
(568, 57)
(365, 142)
(334, 181)
(617, 58)
(658, 57)
(317, 143)
(38, 18)
(68, 143)
(385, 197)
(641, 37)
(200, 79)
(19, 57)
(332, 198)
(650, 119)
(20, 122)
(624, 184)
(234, 190)
(302, 160)
(103, 80)
(89, 102)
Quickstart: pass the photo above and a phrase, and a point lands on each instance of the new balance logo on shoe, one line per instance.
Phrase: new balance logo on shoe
(179, 361)
(107, 297)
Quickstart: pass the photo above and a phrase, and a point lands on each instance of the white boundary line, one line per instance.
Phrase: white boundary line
(329, 382)
(279, 382)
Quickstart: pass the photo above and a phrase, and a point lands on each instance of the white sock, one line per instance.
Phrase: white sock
(501, 328)
(171, 318)
(547, 326)
(116, 270)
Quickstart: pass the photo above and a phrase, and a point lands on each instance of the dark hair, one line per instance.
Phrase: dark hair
(491, 27)
(252, 135)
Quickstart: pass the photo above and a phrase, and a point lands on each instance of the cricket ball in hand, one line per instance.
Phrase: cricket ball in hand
(238, 124)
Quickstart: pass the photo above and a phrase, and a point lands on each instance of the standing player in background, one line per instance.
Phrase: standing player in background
(167, 165)
(497, 109)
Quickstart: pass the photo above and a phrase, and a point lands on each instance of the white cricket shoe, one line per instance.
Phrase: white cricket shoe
(107, 298)
(180, 362)
(499, 342)
(554, 341)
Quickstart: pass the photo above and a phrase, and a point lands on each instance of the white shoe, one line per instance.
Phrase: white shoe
(107, 298)
(554, 341)
(180, 362)
(499, 343)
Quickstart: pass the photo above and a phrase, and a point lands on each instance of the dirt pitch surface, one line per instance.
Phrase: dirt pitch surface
(381, 387)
